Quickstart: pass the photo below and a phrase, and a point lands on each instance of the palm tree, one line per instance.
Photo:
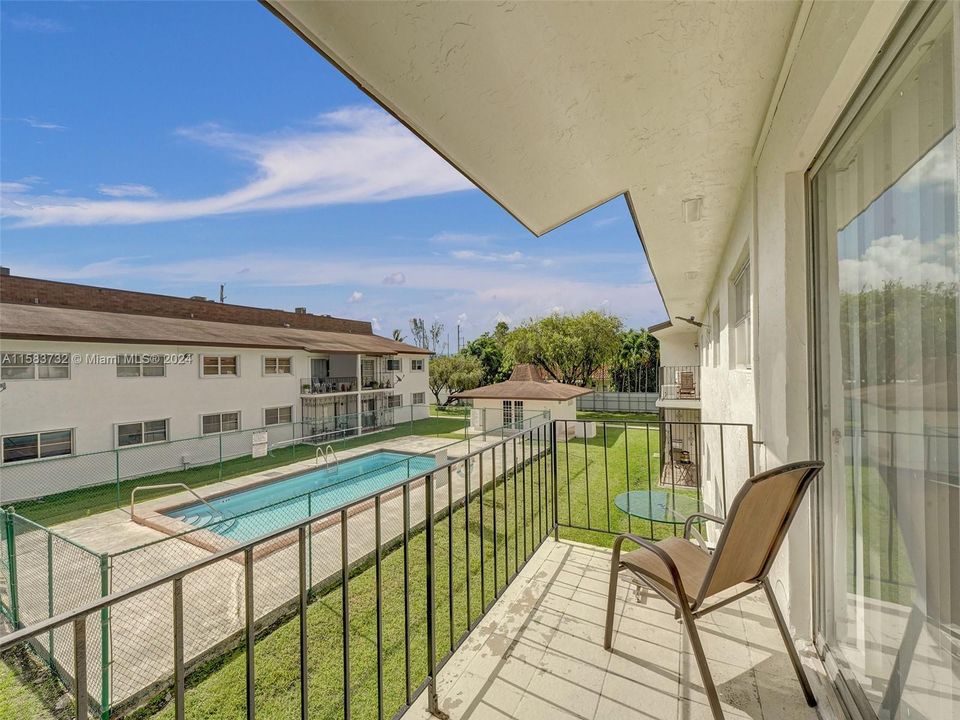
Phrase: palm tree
(398, 335)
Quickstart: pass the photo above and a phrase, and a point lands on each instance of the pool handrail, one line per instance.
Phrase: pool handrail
(330, 451)
(133, 496)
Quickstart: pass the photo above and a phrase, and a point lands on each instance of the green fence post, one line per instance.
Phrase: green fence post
(117, 452)
(105, 639)
(10, 535)
(50, 596)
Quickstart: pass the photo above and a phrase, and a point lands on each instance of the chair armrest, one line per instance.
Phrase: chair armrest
(688, 525)
(661, 554)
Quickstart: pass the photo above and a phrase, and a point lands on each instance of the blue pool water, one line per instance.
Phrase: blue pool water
(247, 514)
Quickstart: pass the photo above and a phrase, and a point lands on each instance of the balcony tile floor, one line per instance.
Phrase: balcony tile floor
(539, 654)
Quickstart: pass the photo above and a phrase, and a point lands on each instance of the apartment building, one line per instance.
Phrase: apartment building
(86, 369)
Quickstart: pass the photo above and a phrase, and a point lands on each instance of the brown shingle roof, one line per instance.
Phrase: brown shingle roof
(55, 323)
(526, 383)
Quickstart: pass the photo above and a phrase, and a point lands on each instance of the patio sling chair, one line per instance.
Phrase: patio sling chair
(687, 576)
(687, 387)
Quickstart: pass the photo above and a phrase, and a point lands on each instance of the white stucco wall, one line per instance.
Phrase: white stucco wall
(678, 346)
(834, 51)
(493, 410)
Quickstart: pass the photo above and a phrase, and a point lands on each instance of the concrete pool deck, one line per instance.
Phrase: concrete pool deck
(140, 630)
(112, 531)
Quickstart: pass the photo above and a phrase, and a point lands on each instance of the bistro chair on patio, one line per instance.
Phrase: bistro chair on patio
(687, 576)
(687, 387)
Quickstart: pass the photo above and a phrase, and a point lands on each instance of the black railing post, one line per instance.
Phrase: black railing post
(250, 632)
(406, 591)
(378, 560)
(302, 578)
(553, 465)
(345, 602)
(432, 703)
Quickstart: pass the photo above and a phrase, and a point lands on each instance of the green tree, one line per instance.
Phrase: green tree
(454, 373)
(489, 352)
(634, 369)
(569, 348)
(398, 335)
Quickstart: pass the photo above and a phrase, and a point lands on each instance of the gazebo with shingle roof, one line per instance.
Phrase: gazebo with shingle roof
(527, 393)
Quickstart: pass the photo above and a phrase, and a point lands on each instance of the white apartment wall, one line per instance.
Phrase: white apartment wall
(93, 400)
(414, 381)
(829, 56)
(678, 348)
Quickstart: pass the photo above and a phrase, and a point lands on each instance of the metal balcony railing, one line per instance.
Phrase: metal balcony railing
(327, 385)
(384, 380)
(680, 382)
(437, 550)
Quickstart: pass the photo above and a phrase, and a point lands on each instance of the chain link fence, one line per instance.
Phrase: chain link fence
(44, 573)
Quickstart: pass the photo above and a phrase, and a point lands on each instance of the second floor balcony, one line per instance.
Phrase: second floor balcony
(680, 382)
(327, 385)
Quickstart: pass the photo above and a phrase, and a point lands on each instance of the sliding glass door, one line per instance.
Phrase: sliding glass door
(886, 275)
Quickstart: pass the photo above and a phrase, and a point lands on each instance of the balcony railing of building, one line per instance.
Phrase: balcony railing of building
(384, 380)
(375, 596)
(680, 382)
(327, 385)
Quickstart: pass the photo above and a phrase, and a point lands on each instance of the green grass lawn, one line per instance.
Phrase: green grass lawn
(618, 416)
(217, 693)
(27, 700)
(592, 473)
(62, 507)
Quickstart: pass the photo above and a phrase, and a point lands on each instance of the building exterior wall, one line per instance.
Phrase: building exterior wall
(93, 399)
(493, 410)
(830, 57)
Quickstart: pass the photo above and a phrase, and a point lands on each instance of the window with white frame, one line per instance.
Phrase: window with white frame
(278, 415)
(395, 364)
(140, 366)
(220, 365)
(32, 446)
(395, 401)
(34, 366)
(741, 317)
(277, 365)
(141, 433)
(419, 398)
(507, 412)
(219, 423)
(416, 364)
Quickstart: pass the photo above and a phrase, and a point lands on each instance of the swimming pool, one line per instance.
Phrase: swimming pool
(247, 514)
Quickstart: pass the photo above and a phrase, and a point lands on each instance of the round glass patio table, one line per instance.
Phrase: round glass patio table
(658, 505)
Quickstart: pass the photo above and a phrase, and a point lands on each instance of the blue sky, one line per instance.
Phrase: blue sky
(171, 147)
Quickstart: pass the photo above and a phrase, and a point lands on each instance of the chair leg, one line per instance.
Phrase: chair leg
(788, 641)
(611, 600)
(705, 677)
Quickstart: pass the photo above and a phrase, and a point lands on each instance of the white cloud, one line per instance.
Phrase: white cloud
(603, 222)
(460, 238)
(42, 124)
(37, 24)
(355, 297)
(513, 257)
(395, 278)
(13, 187)
(353, 155)
(126, 190)
(375, 322)
(894, 258)
(436, 286)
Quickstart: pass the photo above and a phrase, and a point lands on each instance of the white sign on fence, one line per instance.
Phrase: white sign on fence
(259, 441)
